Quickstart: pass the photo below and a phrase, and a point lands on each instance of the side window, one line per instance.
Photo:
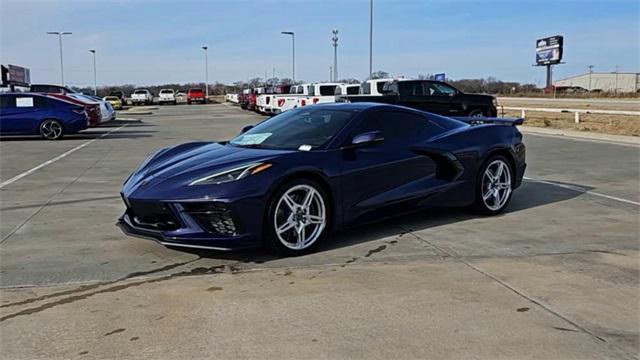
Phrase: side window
(396, 126)
(40, 102)
(7, 101)
(353, 90)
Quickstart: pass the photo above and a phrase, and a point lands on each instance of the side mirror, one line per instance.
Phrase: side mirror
(246, 128)
(365, 139)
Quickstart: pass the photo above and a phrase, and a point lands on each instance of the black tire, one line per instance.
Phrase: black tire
(275, 243)
(476, 113)
(497, 206)
(51, 129)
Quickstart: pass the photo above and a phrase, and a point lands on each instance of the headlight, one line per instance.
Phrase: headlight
(234, 174)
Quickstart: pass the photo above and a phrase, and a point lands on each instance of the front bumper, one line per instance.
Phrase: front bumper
(200, 225)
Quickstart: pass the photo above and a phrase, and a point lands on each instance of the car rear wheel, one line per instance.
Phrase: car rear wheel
(298, 218)
(494, 186)
(51, 129)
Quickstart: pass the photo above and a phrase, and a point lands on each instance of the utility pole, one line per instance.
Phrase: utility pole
(60, 34)
(370, 38)
(293, 47)
(334, 39)
(590, 72)
(95, 78)
(330, 73)
(206, 72)
(616, 88)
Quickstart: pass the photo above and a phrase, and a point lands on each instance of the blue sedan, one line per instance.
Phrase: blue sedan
(291, 179)
(33, 114)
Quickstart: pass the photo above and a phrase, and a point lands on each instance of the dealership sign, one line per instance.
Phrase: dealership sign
(15, 75)
(549, 50)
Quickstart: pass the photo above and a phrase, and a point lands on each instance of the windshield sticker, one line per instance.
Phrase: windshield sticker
(252, 139)
(24, 102)
(305, 148)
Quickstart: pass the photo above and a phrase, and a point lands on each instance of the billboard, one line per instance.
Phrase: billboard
(439, 77)
(549, 50)
(18, 75)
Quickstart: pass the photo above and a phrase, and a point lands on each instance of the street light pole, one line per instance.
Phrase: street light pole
(206, 72)
(95, 78)
(370, 38)
(616, 88)
(590, 72)
(60, 34)
(293, 47)
(335, 54)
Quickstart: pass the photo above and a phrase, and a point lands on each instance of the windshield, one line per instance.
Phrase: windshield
(140, 92)
(301, 129)
(166, 91)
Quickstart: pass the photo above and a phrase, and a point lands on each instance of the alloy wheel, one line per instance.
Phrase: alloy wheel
(51, 129)
(300, 217)
(496, 185)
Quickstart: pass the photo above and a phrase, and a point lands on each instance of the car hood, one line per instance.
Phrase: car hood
(180, 165)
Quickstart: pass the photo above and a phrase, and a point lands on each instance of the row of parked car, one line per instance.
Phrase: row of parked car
(428, 95)
(165, 96)
(51, 111)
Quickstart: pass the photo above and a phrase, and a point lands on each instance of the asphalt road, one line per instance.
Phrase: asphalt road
(555, 277)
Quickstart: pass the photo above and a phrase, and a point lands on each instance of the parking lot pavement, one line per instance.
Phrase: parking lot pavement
(555, 277)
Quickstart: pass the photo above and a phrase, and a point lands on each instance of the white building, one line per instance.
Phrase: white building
(620, 82)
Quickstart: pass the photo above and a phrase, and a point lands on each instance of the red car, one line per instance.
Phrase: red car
(195, 95)
(91, 108)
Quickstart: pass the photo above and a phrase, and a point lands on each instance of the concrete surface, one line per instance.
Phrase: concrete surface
(556, 277)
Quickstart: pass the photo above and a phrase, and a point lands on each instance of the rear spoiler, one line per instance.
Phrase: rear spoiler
(489, 120)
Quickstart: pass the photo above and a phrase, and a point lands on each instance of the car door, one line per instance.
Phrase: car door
(386, 174)
(20, 114)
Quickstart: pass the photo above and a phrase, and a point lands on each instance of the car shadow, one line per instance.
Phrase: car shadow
(88, 135)
(530, 195)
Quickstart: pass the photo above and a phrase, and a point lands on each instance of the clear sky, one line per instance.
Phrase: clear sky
(153, 42)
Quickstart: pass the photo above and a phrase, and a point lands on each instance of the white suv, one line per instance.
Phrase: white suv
(167, 96)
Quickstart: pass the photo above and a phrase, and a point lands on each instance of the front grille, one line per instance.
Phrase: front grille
(152, 215)
(214, 217)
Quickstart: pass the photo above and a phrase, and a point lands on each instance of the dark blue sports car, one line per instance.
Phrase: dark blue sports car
(291, 179)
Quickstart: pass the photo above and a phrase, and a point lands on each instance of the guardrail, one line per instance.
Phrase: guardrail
(576, 112)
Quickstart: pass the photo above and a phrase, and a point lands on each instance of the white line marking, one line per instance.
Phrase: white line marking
(584, 191)
(61, 156)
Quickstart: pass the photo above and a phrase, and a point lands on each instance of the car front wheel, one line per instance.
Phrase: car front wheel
(51, 129)
(297, 218)
(494, 186)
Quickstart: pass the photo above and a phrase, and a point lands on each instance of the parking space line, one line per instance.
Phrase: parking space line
(583, 190)
(61, 156)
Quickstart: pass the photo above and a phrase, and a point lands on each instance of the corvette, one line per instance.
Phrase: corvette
(290, 180)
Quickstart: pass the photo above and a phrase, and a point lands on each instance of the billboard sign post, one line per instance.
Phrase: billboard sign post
(549, 52)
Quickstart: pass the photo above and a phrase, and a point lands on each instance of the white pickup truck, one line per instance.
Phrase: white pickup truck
(265, 102)
(282, 103)
(142, 96)
(167, 96)
(320, 93)
(348, 89)
(373, 87)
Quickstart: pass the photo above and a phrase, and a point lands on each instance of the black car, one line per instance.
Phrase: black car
(52, 89)
(433, 96)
